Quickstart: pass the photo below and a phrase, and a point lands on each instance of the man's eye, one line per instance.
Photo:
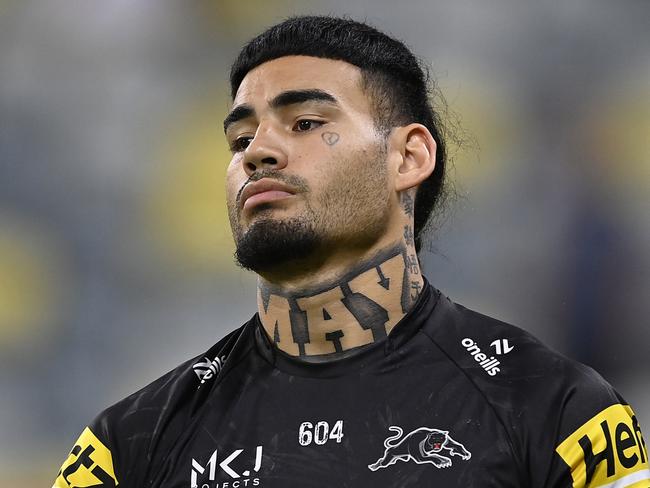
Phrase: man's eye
(240, 144)
(306, 125)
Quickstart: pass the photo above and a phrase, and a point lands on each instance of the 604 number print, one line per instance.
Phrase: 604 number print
(320, 433)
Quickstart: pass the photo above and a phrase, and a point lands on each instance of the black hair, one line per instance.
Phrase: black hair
(395, 80)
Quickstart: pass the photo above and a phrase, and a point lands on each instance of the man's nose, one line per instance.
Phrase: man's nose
(264, 151)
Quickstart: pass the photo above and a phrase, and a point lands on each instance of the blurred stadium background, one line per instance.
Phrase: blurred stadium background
(115, 253)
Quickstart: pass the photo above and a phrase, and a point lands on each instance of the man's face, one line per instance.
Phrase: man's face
(308, 173)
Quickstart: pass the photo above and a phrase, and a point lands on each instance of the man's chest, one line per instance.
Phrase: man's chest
(396, 429)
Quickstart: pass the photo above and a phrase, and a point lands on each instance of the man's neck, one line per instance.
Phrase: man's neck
(361, 306)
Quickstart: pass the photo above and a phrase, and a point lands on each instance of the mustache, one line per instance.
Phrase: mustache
(295, 182)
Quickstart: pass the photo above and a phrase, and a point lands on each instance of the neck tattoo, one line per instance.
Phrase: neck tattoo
(358, 309)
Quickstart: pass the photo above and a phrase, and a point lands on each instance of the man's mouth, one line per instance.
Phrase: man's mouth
(265, 197)
(262, 191)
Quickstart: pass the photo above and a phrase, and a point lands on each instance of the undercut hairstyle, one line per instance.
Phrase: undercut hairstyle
(393, 78)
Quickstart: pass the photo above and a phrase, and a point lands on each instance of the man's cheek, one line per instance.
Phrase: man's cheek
(233, 184)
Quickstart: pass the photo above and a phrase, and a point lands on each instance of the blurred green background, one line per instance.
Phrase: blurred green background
(115, 252)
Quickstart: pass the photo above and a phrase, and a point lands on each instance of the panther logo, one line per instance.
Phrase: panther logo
(422, 445)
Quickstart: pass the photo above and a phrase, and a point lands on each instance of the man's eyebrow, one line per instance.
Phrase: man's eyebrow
(238, 113)
(292, 97)
(284, 99)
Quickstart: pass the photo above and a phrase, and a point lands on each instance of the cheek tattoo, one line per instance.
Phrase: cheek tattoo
(330, 138)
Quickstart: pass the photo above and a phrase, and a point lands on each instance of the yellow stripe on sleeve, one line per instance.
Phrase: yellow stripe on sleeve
(607, 451)
(90, 463)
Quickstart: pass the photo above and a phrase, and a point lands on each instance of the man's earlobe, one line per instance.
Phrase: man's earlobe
(418, 151)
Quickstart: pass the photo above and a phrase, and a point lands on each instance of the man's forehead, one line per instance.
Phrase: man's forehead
(273, 77)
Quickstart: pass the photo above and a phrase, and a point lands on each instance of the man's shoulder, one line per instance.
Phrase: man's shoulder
(510, 364)
(183, 380)
(148, 422)
(490, 348)
(563, 419)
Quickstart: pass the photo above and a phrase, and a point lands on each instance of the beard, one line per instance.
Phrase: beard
(269, 244)
(350, 211)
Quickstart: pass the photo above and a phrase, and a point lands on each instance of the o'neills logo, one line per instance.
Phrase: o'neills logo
(233, 470)
(489, 364)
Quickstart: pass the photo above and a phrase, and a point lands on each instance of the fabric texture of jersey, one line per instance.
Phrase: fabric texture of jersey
(450, 398)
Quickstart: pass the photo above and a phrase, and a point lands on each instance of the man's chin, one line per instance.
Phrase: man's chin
(269, 244)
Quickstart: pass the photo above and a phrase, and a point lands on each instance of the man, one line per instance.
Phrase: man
(355, 372)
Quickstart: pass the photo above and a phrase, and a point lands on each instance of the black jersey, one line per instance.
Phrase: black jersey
(451, 398)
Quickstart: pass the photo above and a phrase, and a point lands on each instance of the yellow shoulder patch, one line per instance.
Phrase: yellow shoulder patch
(90, 464)
(607, 451)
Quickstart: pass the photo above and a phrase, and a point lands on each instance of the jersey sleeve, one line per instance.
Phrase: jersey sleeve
(599, 443)
(90, 461)
(599, 446)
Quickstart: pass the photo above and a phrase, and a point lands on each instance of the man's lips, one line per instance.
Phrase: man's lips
(264, 197)
(263, 191)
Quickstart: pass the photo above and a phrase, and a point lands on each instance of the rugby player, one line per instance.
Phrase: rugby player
(355, 371)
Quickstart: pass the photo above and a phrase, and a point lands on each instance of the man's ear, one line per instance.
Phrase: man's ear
(415, 152)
